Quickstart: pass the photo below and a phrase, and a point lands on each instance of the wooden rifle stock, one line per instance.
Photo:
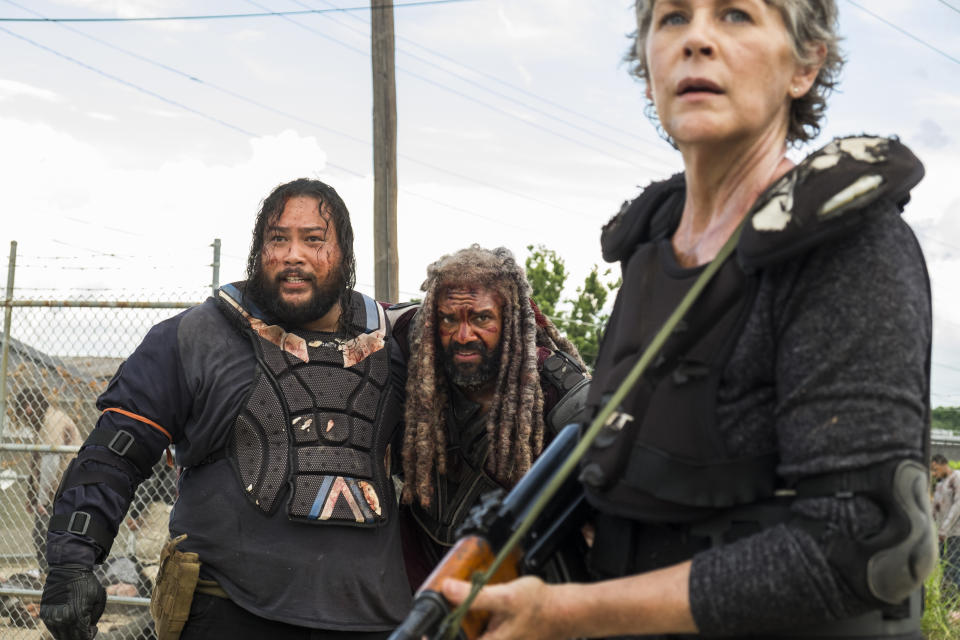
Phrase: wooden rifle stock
(468, 556)
(486, 532)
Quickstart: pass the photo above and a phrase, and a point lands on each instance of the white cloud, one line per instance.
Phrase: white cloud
(165, 113)
(69, 191)
(939, 99)
(144, 9)
(463, 134)
(12, 88)
(247, 35)
(125, 8)
(96, 115)
(521, 31)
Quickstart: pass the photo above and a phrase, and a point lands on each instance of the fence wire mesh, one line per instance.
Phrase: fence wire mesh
(60, 350)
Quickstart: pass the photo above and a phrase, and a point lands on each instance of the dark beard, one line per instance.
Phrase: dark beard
(266, 293)
(475, 378)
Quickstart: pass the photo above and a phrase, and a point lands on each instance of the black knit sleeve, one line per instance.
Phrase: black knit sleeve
(850, 328)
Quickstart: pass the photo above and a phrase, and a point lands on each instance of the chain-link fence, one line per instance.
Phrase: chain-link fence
(58, 354)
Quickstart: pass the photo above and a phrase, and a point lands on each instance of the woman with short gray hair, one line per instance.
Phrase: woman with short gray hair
(767, 476)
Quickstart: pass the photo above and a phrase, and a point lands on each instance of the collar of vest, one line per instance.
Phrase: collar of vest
(824, 197)
(364, 313)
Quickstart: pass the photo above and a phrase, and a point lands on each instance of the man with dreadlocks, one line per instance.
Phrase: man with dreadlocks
(491, 381)
(281, 398)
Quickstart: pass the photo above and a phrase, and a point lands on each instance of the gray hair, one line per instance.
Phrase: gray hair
(808, 22)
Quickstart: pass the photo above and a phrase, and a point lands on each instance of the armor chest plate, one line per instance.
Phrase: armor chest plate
(315, 427)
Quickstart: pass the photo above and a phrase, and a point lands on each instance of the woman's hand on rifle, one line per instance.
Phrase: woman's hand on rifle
(519, 609)
(528, 609)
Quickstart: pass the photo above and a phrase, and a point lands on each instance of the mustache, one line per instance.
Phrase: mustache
(476, 345)
(297, 273)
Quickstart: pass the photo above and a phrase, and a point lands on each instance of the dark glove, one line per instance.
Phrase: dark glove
(72, 602)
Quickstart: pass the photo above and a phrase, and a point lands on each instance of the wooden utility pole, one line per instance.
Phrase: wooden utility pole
(386, 262)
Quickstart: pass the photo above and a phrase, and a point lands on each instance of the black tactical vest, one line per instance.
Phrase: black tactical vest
(660, 458)
(316, 427)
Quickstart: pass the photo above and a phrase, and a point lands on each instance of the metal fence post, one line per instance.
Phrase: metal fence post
(7, 315)
(216, 267)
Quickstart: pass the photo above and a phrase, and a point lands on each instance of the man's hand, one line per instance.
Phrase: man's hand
(72, 602)
(519, 609)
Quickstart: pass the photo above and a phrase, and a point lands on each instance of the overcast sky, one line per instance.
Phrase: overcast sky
(126, 148)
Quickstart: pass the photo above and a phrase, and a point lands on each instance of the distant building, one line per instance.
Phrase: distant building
(72, 384)
(946, 443)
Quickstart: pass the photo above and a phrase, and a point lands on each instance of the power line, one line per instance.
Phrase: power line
(222, 16)
(311, 122)
(158, 96)
(945, 366)
(128, 83)
(234, 128)
(906, 33)
(927, 235)
(492, 77)
(504, 96)
(301, 120)
(409, 191)
(487, 105)
(947, 4)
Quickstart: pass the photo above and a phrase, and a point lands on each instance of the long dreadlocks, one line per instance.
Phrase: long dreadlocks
(514, 421)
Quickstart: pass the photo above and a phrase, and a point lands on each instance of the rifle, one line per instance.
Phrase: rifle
(490, 524)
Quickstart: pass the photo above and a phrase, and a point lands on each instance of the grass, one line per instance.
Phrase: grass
(941, 616)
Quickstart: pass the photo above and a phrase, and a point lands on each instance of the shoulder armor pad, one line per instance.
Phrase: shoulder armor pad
(367, 312)
(232, 295)
(395, 311)
(565, 374)
(825, 196)
(651, 216)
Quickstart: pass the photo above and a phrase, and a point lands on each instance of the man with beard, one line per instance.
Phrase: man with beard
(491, 381)
(281, 399)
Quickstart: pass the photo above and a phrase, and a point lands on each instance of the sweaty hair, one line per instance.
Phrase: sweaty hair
(330, 205)
(514, 422)
(808, 23)
(939, 458)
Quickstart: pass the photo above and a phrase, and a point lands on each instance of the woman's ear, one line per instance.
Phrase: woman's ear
(806, 74)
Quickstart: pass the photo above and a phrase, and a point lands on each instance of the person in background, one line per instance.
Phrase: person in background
(946, 513)
(53, 427)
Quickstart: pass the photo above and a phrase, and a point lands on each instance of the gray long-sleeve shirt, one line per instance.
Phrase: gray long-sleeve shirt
(830, 371)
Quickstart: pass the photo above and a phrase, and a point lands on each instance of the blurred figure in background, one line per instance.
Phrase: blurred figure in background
(946, 513)
(53, 427)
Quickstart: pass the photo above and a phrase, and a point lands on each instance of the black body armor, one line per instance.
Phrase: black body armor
(313, 422)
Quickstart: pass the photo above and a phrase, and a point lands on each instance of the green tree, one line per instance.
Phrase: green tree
(946, 418)
(586, 320)
(582, 320)
(547, 274)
